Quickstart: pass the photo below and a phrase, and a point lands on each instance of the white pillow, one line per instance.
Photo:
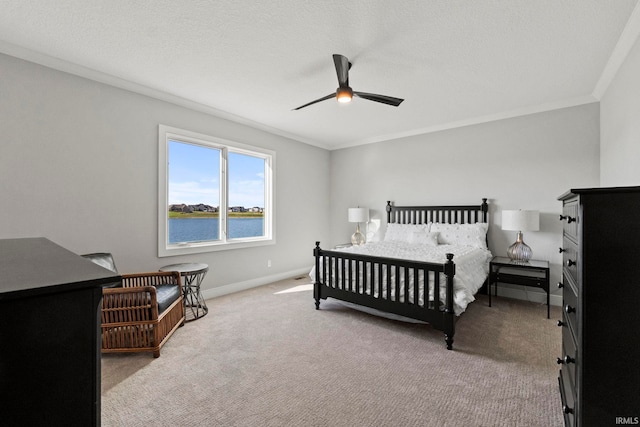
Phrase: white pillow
(428, 238)
(462, 234)
(402, 232)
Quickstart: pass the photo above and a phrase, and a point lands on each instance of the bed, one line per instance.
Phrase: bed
(431, 262)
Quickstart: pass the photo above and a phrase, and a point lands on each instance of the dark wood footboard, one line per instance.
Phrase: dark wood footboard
(390, 285)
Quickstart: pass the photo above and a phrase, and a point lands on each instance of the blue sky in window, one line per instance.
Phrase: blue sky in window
(194, 176)
(246, 181)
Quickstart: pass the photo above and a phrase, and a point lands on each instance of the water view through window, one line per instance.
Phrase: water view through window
(205, 229)
(195, 186)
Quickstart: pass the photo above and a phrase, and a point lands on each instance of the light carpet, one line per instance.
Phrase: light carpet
(266, 357)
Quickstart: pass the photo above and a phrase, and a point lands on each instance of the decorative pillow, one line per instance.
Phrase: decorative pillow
(429, 238)
(462, 234)
(402, 232)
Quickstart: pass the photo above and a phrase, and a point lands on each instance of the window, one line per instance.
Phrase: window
(214, 194)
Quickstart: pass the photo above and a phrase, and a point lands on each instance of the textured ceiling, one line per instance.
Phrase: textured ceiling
(454, 62)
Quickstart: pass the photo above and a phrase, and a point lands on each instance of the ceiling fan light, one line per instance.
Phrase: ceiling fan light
(344, 94)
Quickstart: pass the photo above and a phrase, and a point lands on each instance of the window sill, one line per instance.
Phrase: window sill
(194, 248)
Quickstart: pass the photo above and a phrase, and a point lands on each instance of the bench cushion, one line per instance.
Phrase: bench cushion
(166, 295)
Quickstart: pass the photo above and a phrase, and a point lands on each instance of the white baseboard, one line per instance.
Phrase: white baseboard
(528, 294)
(253, 283)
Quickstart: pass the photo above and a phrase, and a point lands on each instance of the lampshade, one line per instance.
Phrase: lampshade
(519, 220)
(358, 215)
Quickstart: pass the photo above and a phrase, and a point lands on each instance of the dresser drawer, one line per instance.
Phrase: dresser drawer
(568, 326)
(570, 304)
(570, 258)
(567, 395)
(569, 356)
(570, 218)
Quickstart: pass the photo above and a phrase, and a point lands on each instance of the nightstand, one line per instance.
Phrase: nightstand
(532, 273)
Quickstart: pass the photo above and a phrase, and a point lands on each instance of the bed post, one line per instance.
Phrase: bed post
(316, 285)
(449, 315)
(485, 209)
(388, 211)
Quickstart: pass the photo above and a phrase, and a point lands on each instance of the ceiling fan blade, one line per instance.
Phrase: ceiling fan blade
(389, 100)
(333, 95)
(342, 69)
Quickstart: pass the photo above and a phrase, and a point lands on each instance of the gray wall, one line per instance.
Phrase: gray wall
(620, 125)
(519, 163)
(79, 165)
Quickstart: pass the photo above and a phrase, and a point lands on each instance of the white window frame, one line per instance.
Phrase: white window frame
(167, 133)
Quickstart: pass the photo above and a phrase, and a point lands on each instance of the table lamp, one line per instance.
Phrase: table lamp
(358, 215)
(519, 220)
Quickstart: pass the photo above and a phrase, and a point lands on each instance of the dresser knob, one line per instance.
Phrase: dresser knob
(568, 309)
(567, 410)
(568, 218)
(560, 250)
(559, 361)
(561, 323)
(570, 263)
(568, 359)
(560, 285)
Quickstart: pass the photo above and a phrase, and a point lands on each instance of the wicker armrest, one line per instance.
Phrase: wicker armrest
(129, 304)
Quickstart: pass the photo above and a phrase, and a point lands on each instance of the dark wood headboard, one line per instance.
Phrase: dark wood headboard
(444, 214)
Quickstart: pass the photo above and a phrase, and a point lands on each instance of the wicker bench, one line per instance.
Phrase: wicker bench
(141, 315)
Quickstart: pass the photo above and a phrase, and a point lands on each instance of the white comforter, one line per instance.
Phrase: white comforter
(472, 267)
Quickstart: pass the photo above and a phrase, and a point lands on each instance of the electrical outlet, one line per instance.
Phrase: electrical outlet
(268, 263)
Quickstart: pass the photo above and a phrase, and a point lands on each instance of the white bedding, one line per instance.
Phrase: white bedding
(472, 268)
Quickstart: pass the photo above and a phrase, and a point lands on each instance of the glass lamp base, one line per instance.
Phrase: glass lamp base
(519, 251)
(357, 238)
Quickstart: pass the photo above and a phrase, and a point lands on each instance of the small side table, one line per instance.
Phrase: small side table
(192, 275)
(532, 273)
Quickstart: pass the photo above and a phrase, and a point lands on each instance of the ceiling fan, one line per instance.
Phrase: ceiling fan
(344, 93)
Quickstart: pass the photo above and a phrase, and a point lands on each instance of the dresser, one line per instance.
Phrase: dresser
(49, 334)
(600, 363)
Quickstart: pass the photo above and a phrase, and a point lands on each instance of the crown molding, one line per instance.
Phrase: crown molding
(108, 79)
(525, 111)
(626, 41)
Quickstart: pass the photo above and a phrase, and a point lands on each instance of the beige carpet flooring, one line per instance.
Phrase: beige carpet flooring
(266, 357)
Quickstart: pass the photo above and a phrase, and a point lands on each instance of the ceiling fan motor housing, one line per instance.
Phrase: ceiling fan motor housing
(344, 94)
